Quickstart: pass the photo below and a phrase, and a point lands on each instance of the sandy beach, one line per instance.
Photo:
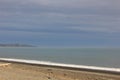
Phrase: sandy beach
(17, 71)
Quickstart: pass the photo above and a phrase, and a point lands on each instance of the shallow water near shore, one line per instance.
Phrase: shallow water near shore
(104, 57)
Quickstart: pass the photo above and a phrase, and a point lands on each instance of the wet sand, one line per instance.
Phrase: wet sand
(17, 71)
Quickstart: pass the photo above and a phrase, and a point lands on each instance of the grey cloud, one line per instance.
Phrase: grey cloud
(63, 5)
(72, 13)
(73, 3)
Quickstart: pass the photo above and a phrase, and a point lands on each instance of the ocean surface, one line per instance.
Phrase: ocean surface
(103, 57)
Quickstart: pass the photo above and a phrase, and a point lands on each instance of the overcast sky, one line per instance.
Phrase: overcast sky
(64, 23)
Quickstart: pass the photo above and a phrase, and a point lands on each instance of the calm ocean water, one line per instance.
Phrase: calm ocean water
(103, 57)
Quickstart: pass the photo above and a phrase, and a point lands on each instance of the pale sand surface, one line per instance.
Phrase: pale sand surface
(15, 71)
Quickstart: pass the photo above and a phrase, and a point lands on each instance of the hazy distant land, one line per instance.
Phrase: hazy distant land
(16, 45)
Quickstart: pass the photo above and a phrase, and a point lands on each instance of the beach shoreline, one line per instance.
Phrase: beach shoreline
(64, 66)
(17, 71)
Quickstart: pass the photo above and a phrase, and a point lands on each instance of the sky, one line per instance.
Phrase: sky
(61, 23)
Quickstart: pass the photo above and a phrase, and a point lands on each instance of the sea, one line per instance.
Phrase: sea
(102, 57)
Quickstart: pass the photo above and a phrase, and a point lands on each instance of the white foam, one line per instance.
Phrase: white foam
(63, 65)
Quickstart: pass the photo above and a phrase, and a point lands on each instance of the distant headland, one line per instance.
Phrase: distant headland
(16, 45)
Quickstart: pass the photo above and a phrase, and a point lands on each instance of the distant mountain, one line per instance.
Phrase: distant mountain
(16, 45)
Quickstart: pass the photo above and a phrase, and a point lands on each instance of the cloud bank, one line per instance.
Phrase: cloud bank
(66, 22)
